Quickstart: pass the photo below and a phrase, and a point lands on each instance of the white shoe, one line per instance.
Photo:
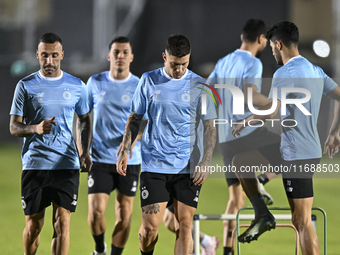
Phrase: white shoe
(210, 249)
(100, 253)
(266, 196)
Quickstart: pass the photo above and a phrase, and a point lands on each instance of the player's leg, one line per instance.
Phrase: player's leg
(235, 203)
(61, 236)
(299, 191)
(152, 215)
(63, 193)
(126, 187)
(301, 218)
(264, 220)
(184, 215)
(169, 218)
(100, 185)
(97, 203)
(124, 206)
(154, 197)
(31, 233)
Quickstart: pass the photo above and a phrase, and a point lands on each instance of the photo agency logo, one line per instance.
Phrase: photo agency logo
(238, 104)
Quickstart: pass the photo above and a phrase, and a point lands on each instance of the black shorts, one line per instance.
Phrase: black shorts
(298, 182)
(255, 140)
(104, 178)
(158, 188)
(40, 187)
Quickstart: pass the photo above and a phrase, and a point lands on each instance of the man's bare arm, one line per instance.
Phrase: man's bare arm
(18, 128)
(84, 129)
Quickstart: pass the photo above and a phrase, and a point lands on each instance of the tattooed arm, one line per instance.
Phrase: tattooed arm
(18, 128)
(209, 140)
(131, 131)
(84, 137)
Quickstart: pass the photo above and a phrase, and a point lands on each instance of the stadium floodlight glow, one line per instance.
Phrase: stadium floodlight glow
(321, 48)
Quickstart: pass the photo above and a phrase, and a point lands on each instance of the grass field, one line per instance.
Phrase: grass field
(213, 199)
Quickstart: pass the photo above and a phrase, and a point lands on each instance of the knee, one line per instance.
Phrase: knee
(96, 215)
(300, 221)
(185, 226)
(62, 224)
(33, 229)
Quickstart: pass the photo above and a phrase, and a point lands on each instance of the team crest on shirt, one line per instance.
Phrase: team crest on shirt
(125, 98)
(145, 193)
(67, 94)
(185, 97)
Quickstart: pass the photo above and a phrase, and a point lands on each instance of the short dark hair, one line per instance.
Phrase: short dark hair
(284, 31)
(120, 39)
(178, 46)
(50, 38)
(253, 29)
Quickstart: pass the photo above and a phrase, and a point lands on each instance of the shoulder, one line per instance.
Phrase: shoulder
(134, 79)
(282, 72)
(72, 79)
(30, 77)
(99, 76)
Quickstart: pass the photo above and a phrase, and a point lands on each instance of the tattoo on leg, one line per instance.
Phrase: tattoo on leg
(191, 250)
(140, 237)
(151, 209)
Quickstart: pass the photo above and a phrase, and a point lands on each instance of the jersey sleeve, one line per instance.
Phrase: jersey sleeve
(253, 74)
(138, 103)
(89, 92)
(329, 84)
(18, 103)
(279, 81)
(82, 106)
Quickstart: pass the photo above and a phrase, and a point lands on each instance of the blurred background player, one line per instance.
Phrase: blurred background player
(209, 244)
(300, 144)
(42, 112)
(243, 69)
(170, 97)
(110, 95)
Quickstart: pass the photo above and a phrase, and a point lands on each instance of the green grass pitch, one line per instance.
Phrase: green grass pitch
(213, 200)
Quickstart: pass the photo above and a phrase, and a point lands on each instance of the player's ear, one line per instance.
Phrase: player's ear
(108, 56)
(241, 37)
(62, 55)
(37, 54)
(132, 57)
(164, 56)
(278, 44)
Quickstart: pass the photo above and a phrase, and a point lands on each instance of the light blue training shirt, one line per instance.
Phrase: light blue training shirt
(237, 68)
(173, 108)
(39, 98)
(110, 100)
(302, 141)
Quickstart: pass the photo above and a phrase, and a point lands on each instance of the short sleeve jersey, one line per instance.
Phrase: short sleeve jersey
(237, 68)
(110, 100)
(38, 98)
(300, 139)
(173, 109)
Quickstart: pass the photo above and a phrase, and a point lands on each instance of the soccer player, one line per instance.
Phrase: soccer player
(171, 97)
(42, 112)
(110, 95)
(242, 69)
(303, 84)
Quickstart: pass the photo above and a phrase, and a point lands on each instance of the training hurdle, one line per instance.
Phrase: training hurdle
(238, 217)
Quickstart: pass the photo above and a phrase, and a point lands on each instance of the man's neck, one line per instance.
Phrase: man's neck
(116, 74)
(249, 47)
(289, 54)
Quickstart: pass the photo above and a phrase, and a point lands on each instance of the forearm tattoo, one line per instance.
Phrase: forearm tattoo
(209, 140)
(21, 129)
(151, 209)
(131, 131)
(85, 131)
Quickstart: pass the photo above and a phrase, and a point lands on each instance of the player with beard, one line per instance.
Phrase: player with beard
(300, 144)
